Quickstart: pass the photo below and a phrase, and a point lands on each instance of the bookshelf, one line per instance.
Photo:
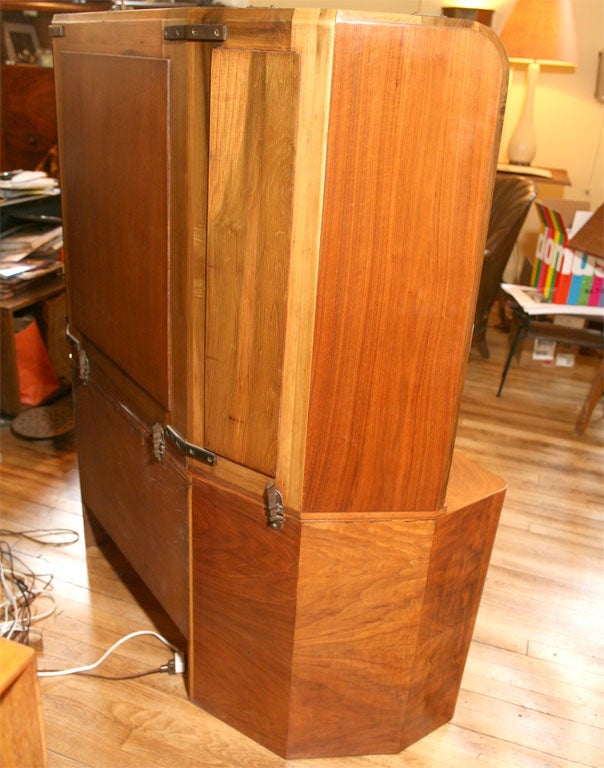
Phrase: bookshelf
(44, 300)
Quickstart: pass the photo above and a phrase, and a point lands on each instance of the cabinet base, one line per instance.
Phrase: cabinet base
(337, 638)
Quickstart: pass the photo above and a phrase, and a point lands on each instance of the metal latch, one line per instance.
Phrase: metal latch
(275, 514)
(57, 30)
(159, 435)
(83, 366)
(203, 33)
(159, 442)
(83, 363)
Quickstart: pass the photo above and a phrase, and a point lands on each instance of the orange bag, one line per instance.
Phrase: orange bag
(37, 380)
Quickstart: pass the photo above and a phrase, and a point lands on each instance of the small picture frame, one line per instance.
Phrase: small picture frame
(21, 42)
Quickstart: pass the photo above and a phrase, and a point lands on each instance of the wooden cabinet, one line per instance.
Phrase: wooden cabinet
(274, 226)
(28, 113)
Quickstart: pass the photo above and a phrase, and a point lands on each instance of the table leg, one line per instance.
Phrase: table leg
(9, 377)
(594, 394)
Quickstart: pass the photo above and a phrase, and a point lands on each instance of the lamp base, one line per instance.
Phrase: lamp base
(523, 144)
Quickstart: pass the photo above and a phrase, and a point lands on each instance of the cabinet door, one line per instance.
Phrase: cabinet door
(140, 502)
(116, 128)
(253, 125)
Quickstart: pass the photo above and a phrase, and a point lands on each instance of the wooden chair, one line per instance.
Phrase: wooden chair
(512, 199)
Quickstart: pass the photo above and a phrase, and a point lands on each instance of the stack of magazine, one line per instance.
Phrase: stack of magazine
(30, 252)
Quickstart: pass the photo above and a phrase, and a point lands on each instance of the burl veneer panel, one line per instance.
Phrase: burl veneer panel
(29, 119)
(244, 612)
(304, 638)
(141, 503)
(253, 126)
(409, 170)
(359, 607)
(336, 638)
(463, 541)
(116, 199)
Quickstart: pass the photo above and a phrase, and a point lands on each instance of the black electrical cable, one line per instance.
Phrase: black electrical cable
(39, 535)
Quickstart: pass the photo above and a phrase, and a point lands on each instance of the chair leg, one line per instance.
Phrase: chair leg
(483, 347)
(594, 394)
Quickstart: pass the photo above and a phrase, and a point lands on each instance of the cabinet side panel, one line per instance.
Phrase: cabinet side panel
(412, 143)
(312, 38)
(253, 123)
(115, 170)
(243, 609)
(360, 598)
(462, 547)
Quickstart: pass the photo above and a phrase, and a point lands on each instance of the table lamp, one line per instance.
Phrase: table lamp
(537, 32)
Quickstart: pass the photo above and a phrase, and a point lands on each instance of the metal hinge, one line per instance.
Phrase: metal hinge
(160, 434)
(202, 33)
(57, 30)
(275, 513)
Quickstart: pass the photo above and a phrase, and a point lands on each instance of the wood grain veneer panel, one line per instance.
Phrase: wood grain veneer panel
(141, 503)
(244, 609)
(189, 156)
(115, 187)
(28, 116)
(463, 540)
(410, 167)
(312, 37)
(359, 608)
(253, 122)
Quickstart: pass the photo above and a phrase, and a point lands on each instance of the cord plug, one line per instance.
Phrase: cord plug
(175, 666)
(180, 664)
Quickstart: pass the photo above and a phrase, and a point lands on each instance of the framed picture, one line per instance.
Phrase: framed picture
(21, 42)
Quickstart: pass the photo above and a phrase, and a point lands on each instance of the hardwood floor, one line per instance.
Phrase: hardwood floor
(532, 691)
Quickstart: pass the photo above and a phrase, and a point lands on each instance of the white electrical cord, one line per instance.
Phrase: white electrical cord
(9, 627)
(18, 617)
(11, 602)
(178, 660)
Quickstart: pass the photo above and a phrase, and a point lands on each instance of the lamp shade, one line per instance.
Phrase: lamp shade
(542, 31)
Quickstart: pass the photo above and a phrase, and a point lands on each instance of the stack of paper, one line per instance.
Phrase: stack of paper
(22, 183)
(28, 253)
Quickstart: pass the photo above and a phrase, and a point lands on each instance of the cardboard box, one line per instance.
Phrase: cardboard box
(562, 274)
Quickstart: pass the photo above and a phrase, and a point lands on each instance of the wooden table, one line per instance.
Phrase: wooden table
(559, 176)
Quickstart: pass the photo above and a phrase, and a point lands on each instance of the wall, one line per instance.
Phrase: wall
(568, 119)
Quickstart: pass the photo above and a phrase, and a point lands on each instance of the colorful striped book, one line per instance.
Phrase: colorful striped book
(564, 275)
